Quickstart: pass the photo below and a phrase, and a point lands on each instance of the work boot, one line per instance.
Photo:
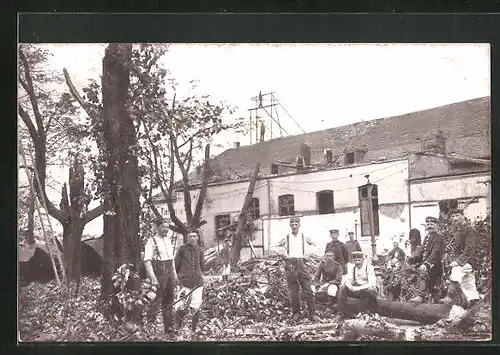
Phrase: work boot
(417, 299)
(179, 317)
(194, 321)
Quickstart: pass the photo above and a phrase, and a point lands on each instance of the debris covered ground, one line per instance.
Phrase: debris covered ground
(251, 306)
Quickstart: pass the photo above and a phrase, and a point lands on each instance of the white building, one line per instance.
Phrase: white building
(422, 163)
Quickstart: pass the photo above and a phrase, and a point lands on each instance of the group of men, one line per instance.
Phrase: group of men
(345, 272)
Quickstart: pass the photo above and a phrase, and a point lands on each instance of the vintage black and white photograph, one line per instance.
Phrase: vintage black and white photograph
(172, 192)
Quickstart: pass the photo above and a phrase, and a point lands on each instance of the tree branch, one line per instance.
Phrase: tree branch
(93, 214)
(204, 185)
(28, 86)
(74, 92)
(185, 180)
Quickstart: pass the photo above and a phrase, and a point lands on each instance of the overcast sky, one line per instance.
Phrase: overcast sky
(319, 85)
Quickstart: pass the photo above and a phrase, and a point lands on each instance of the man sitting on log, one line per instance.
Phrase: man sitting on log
(328, 277)
(429, 259)
(464, 262)
(360, 282)
(396, 256)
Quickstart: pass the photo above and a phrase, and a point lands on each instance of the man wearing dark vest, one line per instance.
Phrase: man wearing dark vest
(429, 259)
(338, 248)
(298, 276)
(159, 263)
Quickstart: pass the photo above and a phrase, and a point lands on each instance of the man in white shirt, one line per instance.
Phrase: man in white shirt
(360, 282)
(159, 263)
(298, 276)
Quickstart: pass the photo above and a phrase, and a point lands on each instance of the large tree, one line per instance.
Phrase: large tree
(171, 132)
(51, 121)
(121, 183)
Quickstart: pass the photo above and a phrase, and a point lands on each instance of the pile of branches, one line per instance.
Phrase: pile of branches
(402, 282)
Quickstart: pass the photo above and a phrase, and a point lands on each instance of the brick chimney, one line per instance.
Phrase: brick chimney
(434, 143)
(305, 152)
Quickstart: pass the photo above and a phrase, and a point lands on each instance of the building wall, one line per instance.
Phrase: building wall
(426, 194)
(228, 198)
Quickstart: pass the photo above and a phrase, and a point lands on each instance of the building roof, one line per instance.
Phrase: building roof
(465, 125)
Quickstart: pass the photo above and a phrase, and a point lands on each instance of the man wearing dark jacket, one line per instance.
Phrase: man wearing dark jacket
(189, 264)
(465, 261)
(352, 244)
(328, 276)
(338, 249)
(429, 259)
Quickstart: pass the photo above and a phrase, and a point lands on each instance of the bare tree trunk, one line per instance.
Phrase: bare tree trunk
(121, 199)
(238, 237)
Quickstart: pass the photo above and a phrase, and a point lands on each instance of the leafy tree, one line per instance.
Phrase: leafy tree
(53, 128)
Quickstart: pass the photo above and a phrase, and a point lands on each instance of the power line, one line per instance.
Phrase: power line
(284, 109)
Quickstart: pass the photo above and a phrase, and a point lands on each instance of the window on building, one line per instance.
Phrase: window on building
(274, 168)
(254, 208)
(286, 205)
(349, 158)
(222, 221)
(324, 201)
(364, 203)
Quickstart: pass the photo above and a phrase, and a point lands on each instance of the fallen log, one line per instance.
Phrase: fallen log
(353, 329)
(425, 313)
(308, 327)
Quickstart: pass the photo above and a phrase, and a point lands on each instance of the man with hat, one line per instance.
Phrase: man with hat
(360, 282)
(159, 263)
(298, 276)
(328, 276)
(338, 249)
(465, 261)
(429, 259)
(352, 244)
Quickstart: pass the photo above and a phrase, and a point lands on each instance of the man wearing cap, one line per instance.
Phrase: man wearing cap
(328, 276)
(338, 248)
(429, 259)
(352, 244)
(360, 282)
(465, 261)
(159, 263)
(298, 276)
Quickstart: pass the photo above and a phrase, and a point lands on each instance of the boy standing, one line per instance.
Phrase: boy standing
(298, 276)
(189, 263)
(226, 259)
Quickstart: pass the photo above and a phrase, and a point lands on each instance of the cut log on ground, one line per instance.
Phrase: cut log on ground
(425, 313)
(353, 329)
(309, 327)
